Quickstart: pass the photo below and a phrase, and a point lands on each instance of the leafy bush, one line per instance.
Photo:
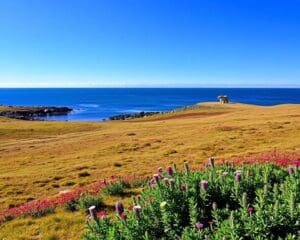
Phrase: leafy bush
(226, 202)
(86, 201)
(72, 205)
(40, 212)
(138, 183)
(116, 188)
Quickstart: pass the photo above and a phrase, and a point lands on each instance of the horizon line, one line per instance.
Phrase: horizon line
(147, 87)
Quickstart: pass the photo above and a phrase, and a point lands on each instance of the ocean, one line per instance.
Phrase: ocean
(97, 104)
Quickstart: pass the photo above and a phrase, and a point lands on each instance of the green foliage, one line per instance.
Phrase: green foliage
(115, 189)
(84, 202)
(72, 205)
(137, 183)
(87, 201)
(226, 202)
(40, 212)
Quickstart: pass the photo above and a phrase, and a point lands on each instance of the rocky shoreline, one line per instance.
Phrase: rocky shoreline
(37, 113)
(129, 116)
(32, 113)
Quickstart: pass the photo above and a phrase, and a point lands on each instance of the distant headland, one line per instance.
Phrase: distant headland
(32, 113)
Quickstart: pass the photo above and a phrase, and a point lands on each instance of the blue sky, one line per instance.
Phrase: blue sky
(149, 43)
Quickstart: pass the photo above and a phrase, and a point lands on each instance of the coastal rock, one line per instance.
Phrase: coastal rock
(32, 113)
(128, 116)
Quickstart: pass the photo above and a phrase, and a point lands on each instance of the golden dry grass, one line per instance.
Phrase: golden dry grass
(61, 225)
(39, 159)
(42, 158)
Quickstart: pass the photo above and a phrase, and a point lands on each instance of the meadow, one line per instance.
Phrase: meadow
(44, 159)
(224, 202)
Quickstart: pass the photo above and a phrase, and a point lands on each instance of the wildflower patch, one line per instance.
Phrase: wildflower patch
(223, 202)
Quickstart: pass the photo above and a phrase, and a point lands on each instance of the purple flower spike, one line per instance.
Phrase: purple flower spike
(172, 183)
(199, 225)
(166, 181)
(204, 185)
(160, 170)
(183, 187)
(238, 176)
(119, 208)
(291, 170)
(137, 210)
(156, 177)
(170, 171)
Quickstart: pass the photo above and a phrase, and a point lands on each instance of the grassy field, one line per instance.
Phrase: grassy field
(60, 225)
(40, 159)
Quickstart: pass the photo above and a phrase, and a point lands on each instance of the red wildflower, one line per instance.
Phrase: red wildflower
(130, 208)
(250, 209)
(101, 214)
(123, 216)
(150, 199)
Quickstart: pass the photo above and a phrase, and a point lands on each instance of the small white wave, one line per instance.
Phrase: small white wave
(89, 105)
(77, 110)
(131, 111)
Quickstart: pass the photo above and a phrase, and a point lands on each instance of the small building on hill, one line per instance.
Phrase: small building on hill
(223, 99)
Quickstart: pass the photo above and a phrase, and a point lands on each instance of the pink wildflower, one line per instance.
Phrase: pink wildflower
(199, 225)
(170, 171)
(204, 185)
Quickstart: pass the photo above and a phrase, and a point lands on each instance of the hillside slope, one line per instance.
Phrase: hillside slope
(43, 158)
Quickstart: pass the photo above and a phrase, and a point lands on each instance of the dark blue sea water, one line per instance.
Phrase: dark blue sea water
(98, 104)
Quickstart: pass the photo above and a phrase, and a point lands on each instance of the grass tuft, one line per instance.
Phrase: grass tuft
(84, 174)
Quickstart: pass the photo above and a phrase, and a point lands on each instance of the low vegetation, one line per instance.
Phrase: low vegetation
(115, 189)
(22, 222)
(58, 162)
(225, 202)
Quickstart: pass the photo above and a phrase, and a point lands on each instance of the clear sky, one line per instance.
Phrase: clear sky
(149, 43)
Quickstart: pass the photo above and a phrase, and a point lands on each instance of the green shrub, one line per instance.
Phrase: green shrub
(115, 189)
(87, 201)
(136, 184)
(40, 212)
(72, 205)
(226, 202)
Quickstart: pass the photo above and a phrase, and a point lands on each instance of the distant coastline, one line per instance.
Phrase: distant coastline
(97, 104)
(32, 113)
